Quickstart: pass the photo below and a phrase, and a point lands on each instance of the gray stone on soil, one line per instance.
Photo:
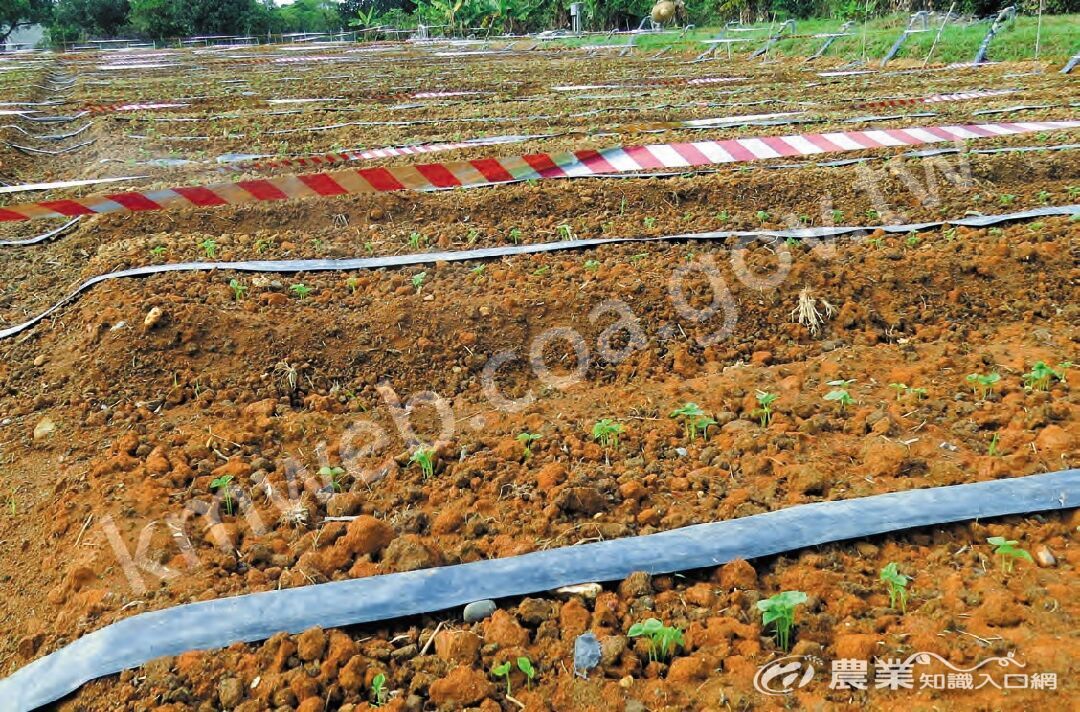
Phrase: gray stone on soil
(478, 610)
(586, 653)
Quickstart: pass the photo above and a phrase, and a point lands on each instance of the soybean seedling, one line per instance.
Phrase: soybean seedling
(515, 236)
(334, 474)
(209, 247)
(982, 384)
(606, 432)
(565, 232)
(222, 484)
(425, 458)
(352, 283)
(762, 216)
(592, 265)
(1007, 552)
(689, 412)
(525, 665)
(504, 672)
(158, 251)
(526, 440)
(238, 289)
(900, 389)
(649, 222)
(765, 400)
(662, 638)
(378, 690)
(839, 393)
(1038, 378)
(1006, 199)
(415, 239)
(896, 583)
(780, 611)
(418, 281)
(837, 216)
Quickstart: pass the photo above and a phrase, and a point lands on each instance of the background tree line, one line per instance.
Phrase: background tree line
(75, 20)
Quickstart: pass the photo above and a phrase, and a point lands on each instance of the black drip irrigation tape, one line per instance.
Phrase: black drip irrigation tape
(425, 258)
(42, 237)
(257, 616)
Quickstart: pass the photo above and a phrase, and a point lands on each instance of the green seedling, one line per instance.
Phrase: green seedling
(791, 242)
(262, 245)
(592, 265)
(837, 216)
(662, 638)
(209, 247)
(158, 251)
(1007, 199)
(949, 233)
(1040, 375)
(334, 474)
(896, 583)
(379, 692)
(723, 216)
(839, 393)
(872, 214)
(415, 239)
(1044, 197)
(473, 236)
(780, 611)
(982, 384)
(11, 504)
(479, 270)
(300, 290)
(638, 257)
(525, 665)
(541, 271)
(222, 484)
(762, 216)
(688, 413)
(418, 281)
(515, 236)
(912, 240)
(649, 222)
(900, 388)
(238, 289)
(919, 393)
(526, 440)
(565, 232)
(352, 283)
(992, 448)
(1007, 552)
(504, 672)
(425, 458)
(606, 432)
(765, 401)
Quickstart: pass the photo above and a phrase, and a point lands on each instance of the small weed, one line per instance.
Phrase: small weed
(913, 240)
(238, 288)
(223, 484)
(159, 250)
(209, 247)
(592, 265)
(1044, 197)
(515, 236)
(649, 222)
(897, 585)
(780, 611)
(992, 448)
(1007, 552)
(416, 239)
(300, 290)
(638, 257)
(1006, 199)
(606, 432)
(352, 283)
(526, 440)
(872, 215)
(425, 458)
(837, 216)
(762, 216)
(541, 271)
(662, 638)
(418, 281)
(765, 401)
(565, 232)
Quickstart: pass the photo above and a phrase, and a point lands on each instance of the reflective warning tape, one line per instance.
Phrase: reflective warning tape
(935, 98)
(491, 171)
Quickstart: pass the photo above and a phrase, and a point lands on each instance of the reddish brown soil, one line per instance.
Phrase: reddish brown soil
(145, 416)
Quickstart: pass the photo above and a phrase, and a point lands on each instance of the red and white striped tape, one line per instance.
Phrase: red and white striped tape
(491, 171)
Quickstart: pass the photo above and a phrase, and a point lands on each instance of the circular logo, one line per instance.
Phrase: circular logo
(785, 675)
